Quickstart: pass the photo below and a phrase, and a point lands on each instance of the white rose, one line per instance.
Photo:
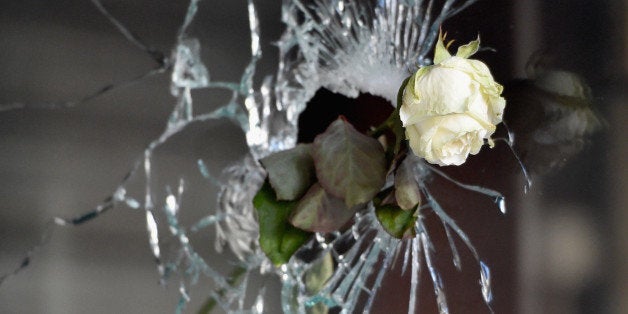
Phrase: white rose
(449, 108)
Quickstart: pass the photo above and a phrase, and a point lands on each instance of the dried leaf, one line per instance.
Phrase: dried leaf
(407, 190)
(349, 164)
(290, 172)
(465, 51)
(320, 212)
(440, 51)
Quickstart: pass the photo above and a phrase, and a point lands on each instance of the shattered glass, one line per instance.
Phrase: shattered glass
(343, 46)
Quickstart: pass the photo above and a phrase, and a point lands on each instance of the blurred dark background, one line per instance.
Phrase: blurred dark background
(569, 232)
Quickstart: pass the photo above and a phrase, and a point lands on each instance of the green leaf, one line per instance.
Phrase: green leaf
(407, 191)
(465, 51)
(318, 211)
(290, 172)
(349, 164)
(397, 222)
(278, 239)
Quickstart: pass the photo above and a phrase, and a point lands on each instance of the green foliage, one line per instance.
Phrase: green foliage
(397, 222)
(350, 167)
(278, 239)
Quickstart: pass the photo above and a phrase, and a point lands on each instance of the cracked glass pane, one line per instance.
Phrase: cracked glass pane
(161, 112)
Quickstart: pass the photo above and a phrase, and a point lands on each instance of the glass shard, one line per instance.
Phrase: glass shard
(344, 46)
(188, 70)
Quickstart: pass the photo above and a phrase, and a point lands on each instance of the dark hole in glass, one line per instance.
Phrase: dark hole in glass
(363, 112)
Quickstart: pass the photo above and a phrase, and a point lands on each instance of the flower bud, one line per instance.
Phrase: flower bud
(449, 108)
